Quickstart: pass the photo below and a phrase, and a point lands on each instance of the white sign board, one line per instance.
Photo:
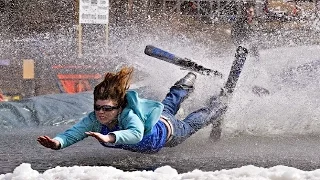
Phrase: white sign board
(94, 11)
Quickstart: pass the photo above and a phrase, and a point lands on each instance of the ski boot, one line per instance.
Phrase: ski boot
(187, 82)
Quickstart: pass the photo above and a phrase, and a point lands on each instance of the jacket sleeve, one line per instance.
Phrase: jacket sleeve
(132, 132)
(77, 132)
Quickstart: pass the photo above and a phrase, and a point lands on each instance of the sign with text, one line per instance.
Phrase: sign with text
(94, 11)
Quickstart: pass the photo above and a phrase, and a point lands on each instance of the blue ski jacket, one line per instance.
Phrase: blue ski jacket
(135, 121)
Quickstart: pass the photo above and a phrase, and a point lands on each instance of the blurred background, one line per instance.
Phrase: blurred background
(50, 46)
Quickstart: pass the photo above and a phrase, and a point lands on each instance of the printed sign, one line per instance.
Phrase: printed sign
(94, 11)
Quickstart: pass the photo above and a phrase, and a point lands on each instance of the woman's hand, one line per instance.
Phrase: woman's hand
(102, 138)
(47, 142)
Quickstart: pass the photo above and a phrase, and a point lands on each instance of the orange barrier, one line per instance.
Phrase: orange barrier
(79, 81)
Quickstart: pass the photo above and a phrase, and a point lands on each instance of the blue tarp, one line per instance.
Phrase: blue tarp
(45, 110)
(50, 110)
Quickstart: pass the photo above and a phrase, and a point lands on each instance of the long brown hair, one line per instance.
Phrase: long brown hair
(114, 86)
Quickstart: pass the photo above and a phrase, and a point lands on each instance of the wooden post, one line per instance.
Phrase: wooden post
(107, 29)
(107, 37)
(163, 7)
(130, 8)
(79, 40)
(79, 28)
(317, 7)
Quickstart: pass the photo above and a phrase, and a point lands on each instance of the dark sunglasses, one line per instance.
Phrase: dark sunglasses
(105, 108)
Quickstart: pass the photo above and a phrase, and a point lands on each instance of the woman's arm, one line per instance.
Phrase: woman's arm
(47, 142)
(132, 130)
(109, 138)
(77, 132)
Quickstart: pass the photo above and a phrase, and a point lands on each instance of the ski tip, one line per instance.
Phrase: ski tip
(148, 50)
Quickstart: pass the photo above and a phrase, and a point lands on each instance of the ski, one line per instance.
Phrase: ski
(228, 89)
(234, 74)
(182, 62)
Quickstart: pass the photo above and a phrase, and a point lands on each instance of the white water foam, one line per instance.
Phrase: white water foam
(292, 107)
